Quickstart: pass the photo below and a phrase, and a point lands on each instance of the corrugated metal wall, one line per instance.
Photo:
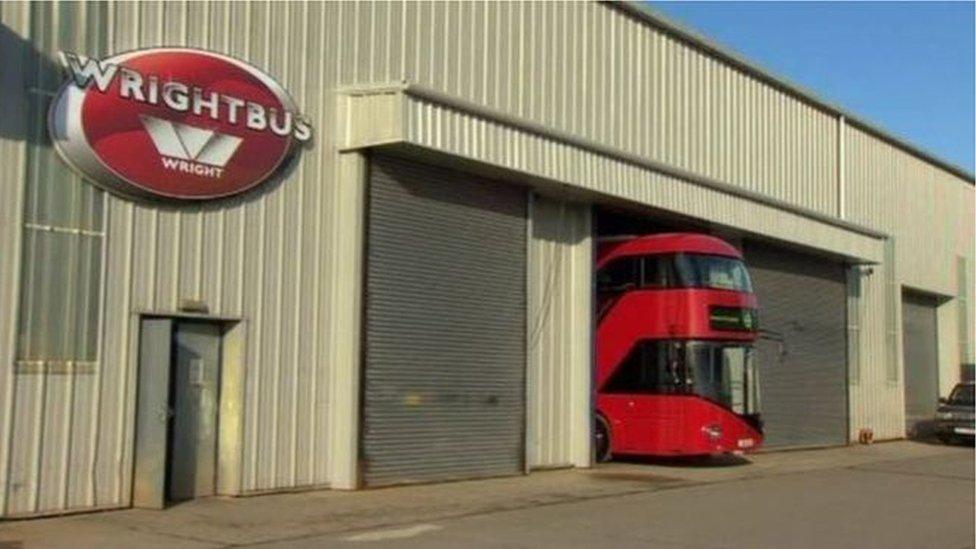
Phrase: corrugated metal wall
(265, 258)
(448, 129)
(559, 333)
(50, 380)
(586, 68)
(929, 213)
(598, 72)
(13, 161)
(928, 210)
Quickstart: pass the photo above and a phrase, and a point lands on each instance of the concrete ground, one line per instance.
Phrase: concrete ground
(901, 494)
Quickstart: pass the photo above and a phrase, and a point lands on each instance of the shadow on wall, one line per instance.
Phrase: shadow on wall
(28, 78)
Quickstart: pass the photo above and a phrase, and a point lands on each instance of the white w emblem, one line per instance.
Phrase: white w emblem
(185, 142)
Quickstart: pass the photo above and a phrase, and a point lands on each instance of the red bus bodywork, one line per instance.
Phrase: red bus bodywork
(668, 424)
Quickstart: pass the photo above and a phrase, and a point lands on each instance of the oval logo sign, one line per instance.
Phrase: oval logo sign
(173, 123)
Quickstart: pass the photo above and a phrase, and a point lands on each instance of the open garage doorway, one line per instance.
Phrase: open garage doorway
(675, 369)
(753, 354)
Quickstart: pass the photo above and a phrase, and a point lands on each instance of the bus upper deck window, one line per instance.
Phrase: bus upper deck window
(620, 275)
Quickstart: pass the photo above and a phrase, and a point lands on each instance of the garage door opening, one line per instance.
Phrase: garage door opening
(777, 359)
(675, 363)
(920, 358)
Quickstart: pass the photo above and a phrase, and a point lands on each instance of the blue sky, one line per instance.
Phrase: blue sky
(907, 67)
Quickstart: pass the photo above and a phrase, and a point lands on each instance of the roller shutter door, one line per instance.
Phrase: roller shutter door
(803, 352)
(445, 326)
(921, 358)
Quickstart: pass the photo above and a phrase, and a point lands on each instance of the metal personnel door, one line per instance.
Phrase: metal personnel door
(445, 326)
(803, 350)
(195, 383)
(921, 358)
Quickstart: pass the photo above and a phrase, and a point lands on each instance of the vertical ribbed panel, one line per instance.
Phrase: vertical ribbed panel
(448, 129)
(600, 73)
(928, 210)
(964, 295)
(559, 332)
(18, 59)
(875, 402)
(854, 320)
(263, 257)
(929, 213)
(892, 308)
(52, 368)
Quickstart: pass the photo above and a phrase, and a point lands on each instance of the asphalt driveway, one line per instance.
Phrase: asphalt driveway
(901, 494)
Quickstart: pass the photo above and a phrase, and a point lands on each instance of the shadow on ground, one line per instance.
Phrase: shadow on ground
(924, 432)
(687, 462)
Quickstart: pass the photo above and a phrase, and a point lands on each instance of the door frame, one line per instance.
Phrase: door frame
(150, 442)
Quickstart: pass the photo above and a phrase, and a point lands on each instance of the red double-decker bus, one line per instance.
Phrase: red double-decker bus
(676, 373)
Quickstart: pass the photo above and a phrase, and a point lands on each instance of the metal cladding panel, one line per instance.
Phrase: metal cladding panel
(431, 124)
(559, 333)
(266, 258)
(921, 358)
(444, 369)
(598, 72)
(803, 350)
(262, 257)
(927, 210)
(875, 398)
(929, 213)
(15, 19)
(52, 236)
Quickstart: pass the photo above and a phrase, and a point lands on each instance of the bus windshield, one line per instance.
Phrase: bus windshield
(724, 373)
(669, 271)
(712, 271)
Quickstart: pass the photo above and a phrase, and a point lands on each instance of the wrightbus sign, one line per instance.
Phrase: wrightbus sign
(173, 123)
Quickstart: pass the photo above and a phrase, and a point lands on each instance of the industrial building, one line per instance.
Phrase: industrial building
(408, 296)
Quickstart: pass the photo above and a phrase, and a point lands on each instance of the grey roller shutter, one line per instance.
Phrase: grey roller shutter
(921, 358)
(803, 351)
(445, 326)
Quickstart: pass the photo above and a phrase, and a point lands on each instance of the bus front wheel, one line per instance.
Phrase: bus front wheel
(601, 440)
